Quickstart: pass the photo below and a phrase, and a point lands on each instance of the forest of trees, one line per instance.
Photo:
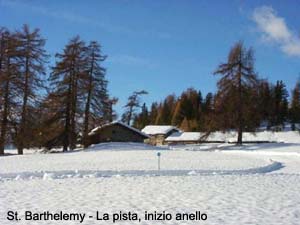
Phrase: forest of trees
(191, 111)
(243, 102)
(43, 105)
(56, 109)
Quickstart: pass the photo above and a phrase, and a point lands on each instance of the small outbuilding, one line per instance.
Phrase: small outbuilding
(158, 133)
(116, 132)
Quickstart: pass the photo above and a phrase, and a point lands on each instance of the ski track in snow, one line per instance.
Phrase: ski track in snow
(273, 166)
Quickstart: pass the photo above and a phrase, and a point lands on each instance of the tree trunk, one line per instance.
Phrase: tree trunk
(87, 107)
(240, 108)
(1, 138)
(73, 113)
(4, 117)
(86, 121)
(129, 115)
(110, 112)
(240, 136)
(66, 134)
(24, 108)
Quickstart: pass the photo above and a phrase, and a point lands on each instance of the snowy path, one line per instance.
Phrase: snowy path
(130, 160)
(48, 175)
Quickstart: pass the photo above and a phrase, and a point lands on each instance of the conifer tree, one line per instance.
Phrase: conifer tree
(166, 109)
(208, 102)
(295, 106)
(97, 100)
(32, 61)
(177, 116)
(132, 105)
(109, 113)
(185, 126)
(206, 110)
(280, 104)
(153, 113)
(142, 119)
(237, 75)
(66, 81)
(265, 102)
(9, 82)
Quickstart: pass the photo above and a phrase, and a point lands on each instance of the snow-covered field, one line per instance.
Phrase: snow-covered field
(252, 184)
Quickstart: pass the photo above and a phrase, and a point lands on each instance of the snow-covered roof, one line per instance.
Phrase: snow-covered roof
(185, 136)
(158, 129)
(120, 123)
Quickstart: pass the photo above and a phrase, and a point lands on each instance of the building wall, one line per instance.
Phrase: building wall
(115, 133)
(159, 139)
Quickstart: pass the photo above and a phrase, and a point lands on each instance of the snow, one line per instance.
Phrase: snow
(262, 136)
(226, 199)
(158, 129)
(283, 127)
(287, 137)
(121, 146)
(249, 184)
(184, 136)
(126, 156)
(232, 136)
(267, 136)
(223, 136)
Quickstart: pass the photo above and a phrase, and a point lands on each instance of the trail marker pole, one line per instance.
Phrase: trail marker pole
(158, 163)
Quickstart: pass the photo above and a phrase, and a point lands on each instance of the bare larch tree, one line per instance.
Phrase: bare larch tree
(33, 58)
(237, 74)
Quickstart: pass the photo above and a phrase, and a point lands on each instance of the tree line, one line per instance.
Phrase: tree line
(43, 105)
(40, 109)
(242, 102)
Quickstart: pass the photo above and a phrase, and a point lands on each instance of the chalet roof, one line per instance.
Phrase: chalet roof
(158, 129)
(184, 136)
(118, 123)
